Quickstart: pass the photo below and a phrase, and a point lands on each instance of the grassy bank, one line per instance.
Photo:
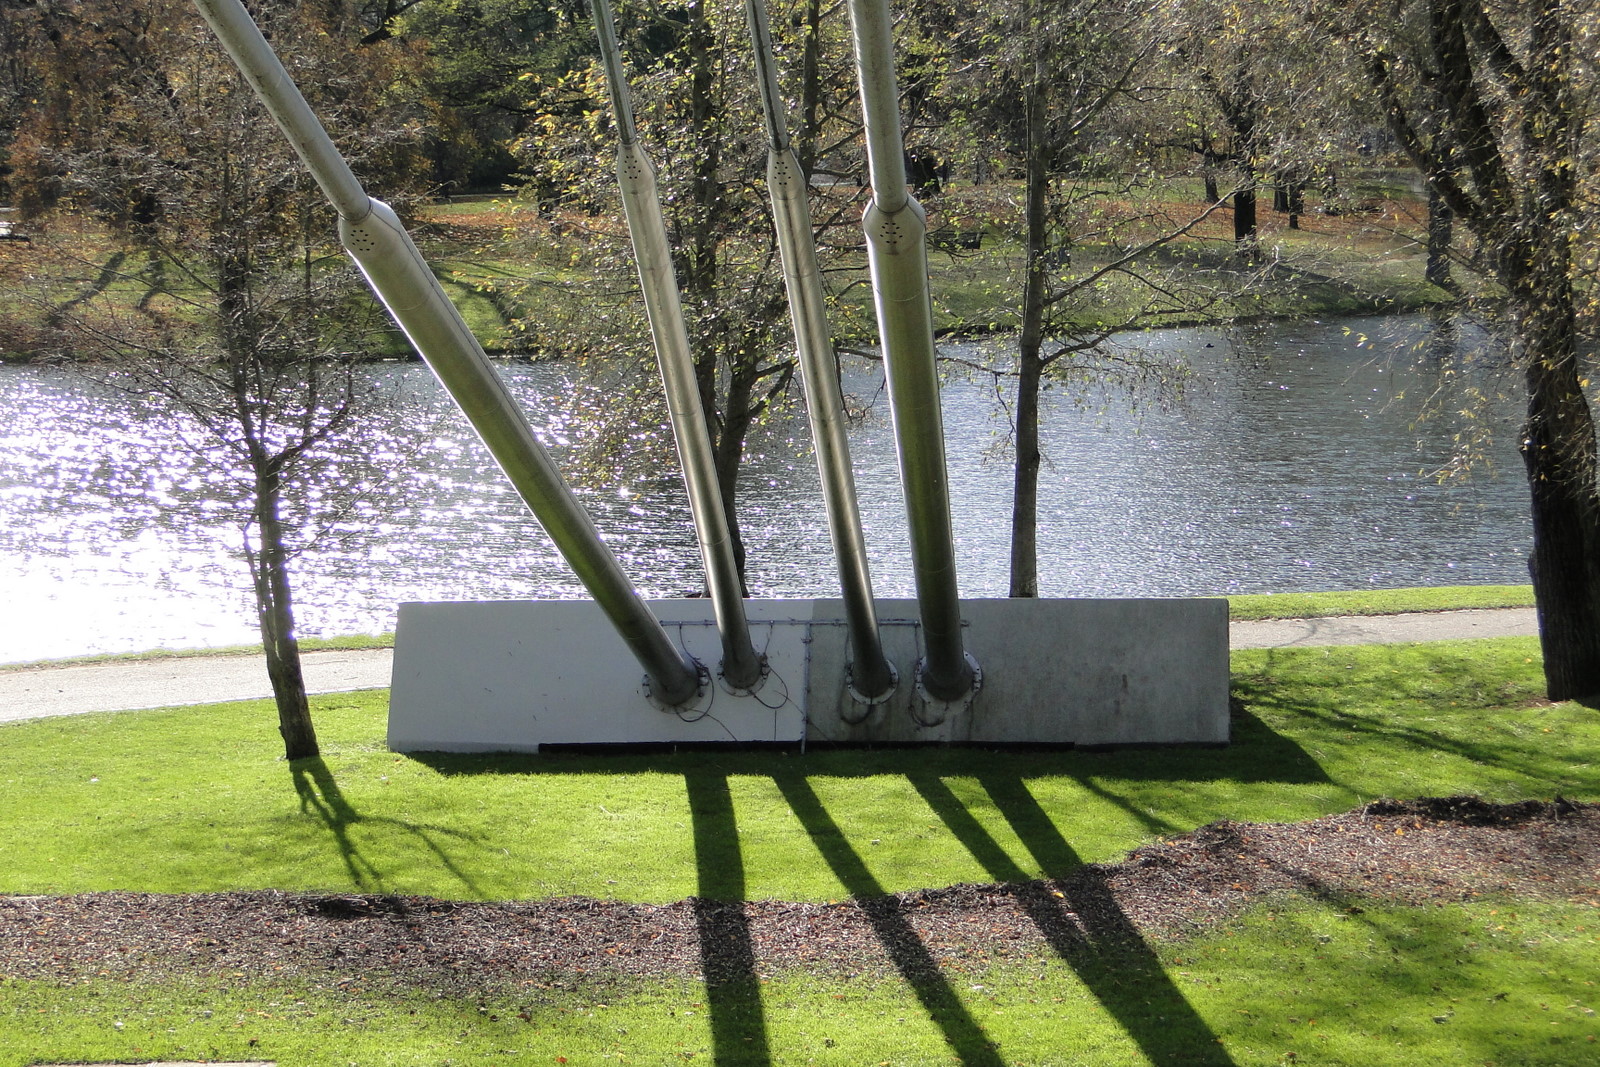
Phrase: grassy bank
(1256, 606)
(523, 282)
(194, 799)
(1378, 601)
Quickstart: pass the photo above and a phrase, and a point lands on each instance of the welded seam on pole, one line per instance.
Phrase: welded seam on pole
(872, 677)
(896, 231)
(379, 244)
(742, 667)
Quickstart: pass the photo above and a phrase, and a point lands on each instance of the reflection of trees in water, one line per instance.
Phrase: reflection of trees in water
(1465, 362)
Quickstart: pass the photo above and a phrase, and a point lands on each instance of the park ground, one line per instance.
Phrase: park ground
(176, 892)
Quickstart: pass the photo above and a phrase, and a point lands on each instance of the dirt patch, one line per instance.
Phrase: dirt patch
(1413, 852)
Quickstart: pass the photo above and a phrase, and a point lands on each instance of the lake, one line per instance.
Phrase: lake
(1297, 456)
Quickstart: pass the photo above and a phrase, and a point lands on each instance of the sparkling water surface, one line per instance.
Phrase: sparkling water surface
(1295, 457)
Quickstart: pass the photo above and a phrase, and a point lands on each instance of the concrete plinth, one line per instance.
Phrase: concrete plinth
(515, 675)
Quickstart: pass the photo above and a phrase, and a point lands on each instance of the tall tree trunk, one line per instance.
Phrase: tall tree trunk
(727, 417)
(1558, 450)
(1246, 239)
(1524, 216)
(268, 558)
(805, 139)
(1558, 443)
(1441, 231)
(269, 568)
(1025, 485)
(1210, 162)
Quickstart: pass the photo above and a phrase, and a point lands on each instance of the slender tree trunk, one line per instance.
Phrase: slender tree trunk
(1025, 486)
(727, 417)
(269, 567)
(1210, 162)
(268, 559)
(1297, 198)
(1025, 483)
(729, 452)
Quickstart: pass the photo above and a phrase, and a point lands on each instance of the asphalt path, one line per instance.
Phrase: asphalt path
(124, 685)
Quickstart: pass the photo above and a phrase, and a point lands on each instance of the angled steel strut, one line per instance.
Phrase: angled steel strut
(872, 677)
(636, 177)
(896, 229)
(401, 279)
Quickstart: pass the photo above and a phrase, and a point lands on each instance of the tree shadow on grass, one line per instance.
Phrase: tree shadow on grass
(320, 796)
(1416, 670)
(109, 272)
(727, 954)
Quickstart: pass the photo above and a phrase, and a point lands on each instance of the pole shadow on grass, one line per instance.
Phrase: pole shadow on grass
(1084, 926)
(320, 796)
(727, 954)
(894, 931)
(1126, 974)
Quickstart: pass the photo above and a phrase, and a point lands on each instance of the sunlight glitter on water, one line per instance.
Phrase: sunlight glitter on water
(1295, 460)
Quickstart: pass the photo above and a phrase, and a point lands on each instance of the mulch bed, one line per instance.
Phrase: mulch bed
(1413, 852)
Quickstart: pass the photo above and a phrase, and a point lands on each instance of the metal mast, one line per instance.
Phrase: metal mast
(871, 675)
(636, 177)
(896, 229)
(375, 239)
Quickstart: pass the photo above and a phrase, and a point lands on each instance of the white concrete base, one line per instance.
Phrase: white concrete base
(514, 675)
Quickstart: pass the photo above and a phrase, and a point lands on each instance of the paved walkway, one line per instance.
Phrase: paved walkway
(160, 683)
(126, 685)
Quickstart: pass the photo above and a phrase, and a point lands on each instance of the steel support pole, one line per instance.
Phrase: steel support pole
(400, 277)
(896, 230)
(872, 677)
(742, 667)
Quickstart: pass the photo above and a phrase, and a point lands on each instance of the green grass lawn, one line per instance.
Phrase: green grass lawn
(1378, 601)
(1303, 983)
(1254, 606)
(194, 799)
(1321, 730)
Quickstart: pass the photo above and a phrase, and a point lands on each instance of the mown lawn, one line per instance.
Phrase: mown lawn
(194, 799)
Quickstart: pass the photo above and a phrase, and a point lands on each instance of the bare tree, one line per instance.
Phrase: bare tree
(693, 85)
(1052, 94)
(247, 320)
